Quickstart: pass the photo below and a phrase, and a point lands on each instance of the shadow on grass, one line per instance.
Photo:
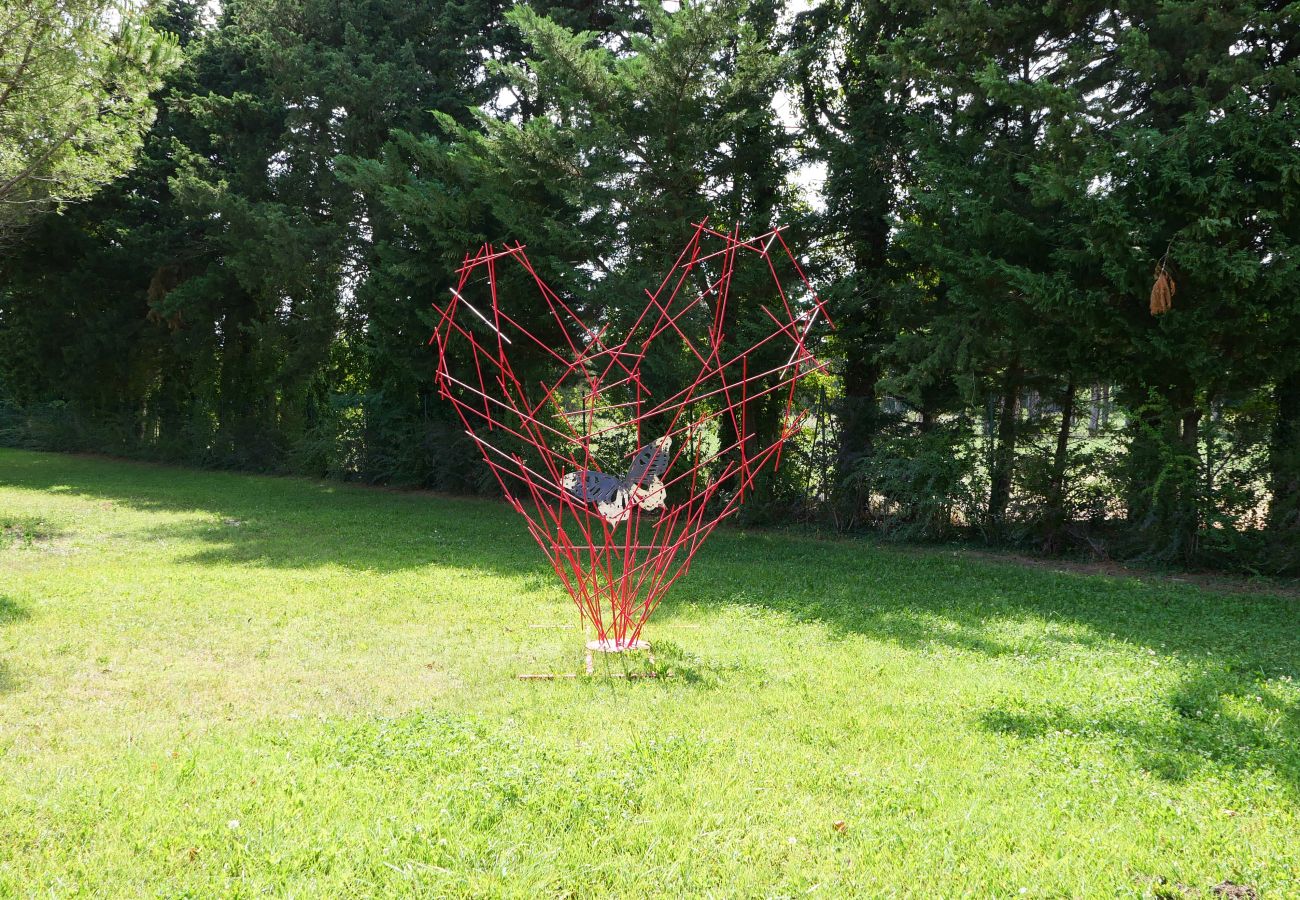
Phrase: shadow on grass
(1198, 727)
(1225, 645)
(10, 611)
(1219, 714)
(292, 523)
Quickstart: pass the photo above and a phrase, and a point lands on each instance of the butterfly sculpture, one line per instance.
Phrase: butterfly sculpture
(616, 498)
(549, 395)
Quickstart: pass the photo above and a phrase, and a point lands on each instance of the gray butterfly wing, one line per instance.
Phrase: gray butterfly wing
(592, 487)
(650, 497)
(607, 493)
(618, 508)
(650, 463)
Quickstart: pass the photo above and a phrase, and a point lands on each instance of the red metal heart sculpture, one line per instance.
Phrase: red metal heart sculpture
(623, 456)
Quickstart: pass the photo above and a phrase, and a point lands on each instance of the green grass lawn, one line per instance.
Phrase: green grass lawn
(223, 685)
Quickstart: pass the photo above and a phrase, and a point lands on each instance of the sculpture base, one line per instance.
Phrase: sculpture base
(612, 645)
(609, 645)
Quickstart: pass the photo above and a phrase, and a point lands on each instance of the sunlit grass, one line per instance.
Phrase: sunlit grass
(220, 685)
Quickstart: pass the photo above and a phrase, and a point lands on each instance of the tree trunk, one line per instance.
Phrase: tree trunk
(1094, 411)
(1189, 501)
(1191, 429)
(1004, 452)
(1284, 477)
(863, 199)
(1142, 464)
(859, 411)
(927, 417)
(1032, 405)
(1055, 538)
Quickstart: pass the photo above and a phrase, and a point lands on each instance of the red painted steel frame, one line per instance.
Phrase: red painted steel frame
(617, 579)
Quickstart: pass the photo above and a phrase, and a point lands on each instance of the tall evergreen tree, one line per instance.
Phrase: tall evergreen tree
(994, 96)
(75, 79)
(853, 107)
(625, 148)
(1196, 180)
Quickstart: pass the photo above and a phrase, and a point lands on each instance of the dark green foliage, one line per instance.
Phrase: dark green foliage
(1002, 184)
(1051, 158)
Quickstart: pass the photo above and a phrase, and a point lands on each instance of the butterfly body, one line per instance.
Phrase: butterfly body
(615, 498)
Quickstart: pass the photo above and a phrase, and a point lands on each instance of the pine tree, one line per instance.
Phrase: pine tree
(853, 109)
(994, 97)
(1199, 106)
(624, 148)
(75, 80)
